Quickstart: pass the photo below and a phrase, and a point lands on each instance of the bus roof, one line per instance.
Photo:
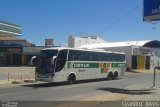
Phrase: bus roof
(91, 50)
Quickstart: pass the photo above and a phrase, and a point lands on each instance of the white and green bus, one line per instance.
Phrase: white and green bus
(70, 65)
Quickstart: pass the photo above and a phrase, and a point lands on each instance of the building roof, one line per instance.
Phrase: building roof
(115, 44)
(154, 43)
(16, 39)
(8, 38)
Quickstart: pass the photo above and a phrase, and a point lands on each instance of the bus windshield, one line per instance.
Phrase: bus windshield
(44, 65)
(48, 53)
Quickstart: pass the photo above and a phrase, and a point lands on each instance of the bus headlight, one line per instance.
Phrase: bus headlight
(52, 75)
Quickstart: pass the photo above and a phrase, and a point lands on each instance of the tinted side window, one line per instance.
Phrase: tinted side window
(94, 56)
(61, 60)
(72, 55)
(82, 56)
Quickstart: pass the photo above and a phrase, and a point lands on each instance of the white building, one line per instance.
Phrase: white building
(75, 42)
(139, 54)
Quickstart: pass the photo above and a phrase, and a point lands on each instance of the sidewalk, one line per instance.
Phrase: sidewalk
(140, 92)
(143, 92)
(16, 74)
(2, 82)
(145, 71)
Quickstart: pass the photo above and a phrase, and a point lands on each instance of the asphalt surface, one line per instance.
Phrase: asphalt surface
(77, 92)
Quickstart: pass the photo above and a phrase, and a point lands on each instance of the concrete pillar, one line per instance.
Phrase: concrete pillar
(23, 59)
(11, 59)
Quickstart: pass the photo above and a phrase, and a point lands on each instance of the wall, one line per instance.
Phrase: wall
(75, 42)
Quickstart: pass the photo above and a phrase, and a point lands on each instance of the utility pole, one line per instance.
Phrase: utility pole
(154, 77)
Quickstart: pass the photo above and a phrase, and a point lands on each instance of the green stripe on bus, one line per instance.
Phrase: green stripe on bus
(104, 65)
(83, 65)
(93, 65)
(117, 65)
(102, 70)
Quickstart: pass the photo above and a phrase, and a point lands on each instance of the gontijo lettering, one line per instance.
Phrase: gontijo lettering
(81, 65)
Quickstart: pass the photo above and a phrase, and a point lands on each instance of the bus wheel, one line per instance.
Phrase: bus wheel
(115, 74)
(111, 76)
(71, 79)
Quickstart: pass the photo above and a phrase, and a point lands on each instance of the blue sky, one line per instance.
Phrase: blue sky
(112, 20)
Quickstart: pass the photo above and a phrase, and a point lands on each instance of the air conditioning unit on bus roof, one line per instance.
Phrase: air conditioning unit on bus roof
(96, 49)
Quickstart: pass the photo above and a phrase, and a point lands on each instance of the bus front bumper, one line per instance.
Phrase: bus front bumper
(44, 79)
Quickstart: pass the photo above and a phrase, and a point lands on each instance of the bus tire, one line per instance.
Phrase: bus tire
(71, 79)
(111, 76)
(115, 75)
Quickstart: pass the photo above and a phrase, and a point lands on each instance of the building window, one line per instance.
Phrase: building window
(135, 50)
(1, 58)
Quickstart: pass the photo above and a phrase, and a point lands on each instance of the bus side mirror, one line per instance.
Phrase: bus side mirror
(52, 60)
(33, 60)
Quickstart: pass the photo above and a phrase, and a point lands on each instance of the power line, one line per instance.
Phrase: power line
(120, 19)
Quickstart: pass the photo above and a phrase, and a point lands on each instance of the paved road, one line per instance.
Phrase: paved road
(76, 92)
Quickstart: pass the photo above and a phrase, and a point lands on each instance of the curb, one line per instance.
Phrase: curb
(2, 82)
